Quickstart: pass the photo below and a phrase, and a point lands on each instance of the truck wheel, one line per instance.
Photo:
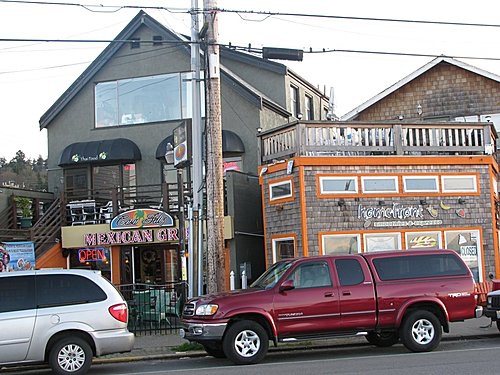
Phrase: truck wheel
(245, 342)
(421, 331)
(382, 339)
(214, 350)
(70, 355)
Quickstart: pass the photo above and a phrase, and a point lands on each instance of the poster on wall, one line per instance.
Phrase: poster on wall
(423, 240)
(465, 243)
(17, 256)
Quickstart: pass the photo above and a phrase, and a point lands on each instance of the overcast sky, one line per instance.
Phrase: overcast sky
(34, 75)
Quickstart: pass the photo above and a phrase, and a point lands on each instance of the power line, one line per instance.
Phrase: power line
(267, 14)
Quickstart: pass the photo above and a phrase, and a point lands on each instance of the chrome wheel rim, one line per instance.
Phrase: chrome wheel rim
(71, 358)
(422, 331)
(247, 343)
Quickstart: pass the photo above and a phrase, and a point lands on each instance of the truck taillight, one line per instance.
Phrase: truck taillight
(119, 312)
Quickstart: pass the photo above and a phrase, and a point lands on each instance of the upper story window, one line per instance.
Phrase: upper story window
(294, 101)
(416, 184)
(459, 184)
(338, 185)
(142, 100)
(380, 184)
(309, 108)
(280, 190)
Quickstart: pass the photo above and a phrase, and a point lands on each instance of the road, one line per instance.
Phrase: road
(477, 356)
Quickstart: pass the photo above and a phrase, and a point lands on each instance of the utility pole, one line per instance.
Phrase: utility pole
(216, 272)
(195, 265)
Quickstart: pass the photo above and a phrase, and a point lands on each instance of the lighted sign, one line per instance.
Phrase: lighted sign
(131, 237)
(97, 254)
(142, 218)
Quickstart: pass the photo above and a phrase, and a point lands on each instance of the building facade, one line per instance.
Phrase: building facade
(107, 139)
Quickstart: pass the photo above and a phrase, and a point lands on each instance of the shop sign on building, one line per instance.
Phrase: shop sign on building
(131, 237)
(397, 215)
(94, 254)
(17, 256)
(142, 218)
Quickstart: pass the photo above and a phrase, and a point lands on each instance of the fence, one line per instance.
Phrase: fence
(154, 309)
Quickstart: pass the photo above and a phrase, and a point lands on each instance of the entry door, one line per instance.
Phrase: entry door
(17, 317)
(312, 306)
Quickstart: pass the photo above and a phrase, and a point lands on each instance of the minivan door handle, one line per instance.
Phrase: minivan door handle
(328, 294)
(346, 293)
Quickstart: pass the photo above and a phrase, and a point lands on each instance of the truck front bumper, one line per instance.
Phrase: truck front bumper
(492, 313)
(202, 331)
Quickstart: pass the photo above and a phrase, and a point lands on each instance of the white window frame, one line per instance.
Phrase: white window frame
(274, 184)
(366, 178)
(282, 239)
(435, 178)
(325, 192)
(395, 235)
(457, 177)
(333, 236)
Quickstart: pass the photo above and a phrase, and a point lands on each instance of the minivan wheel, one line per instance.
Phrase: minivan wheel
(421, 331)
(70, 355)
(246, 342)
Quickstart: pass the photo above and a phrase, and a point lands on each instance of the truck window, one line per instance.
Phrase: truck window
(311, 275)
(419, 266)
(349, 271)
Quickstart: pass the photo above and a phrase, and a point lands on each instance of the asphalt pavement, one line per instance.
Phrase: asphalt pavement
(164, 346)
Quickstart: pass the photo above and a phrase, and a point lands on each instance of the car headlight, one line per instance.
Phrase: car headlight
(209, 309)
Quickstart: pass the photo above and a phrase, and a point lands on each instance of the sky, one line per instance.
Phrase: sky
(33, 75)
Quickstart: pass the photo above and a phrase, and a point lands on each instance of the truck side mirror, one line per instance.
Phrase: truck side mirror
(287, 285)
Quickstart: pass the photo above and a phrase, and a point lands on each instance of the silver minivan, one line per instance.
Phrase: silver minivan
(61, 317)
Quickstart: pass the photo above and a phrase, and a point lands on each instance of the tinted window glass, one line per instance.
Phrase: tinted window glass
(59, 290)
(17, 293)
(407, 267)
(311, 275)
(349, 271)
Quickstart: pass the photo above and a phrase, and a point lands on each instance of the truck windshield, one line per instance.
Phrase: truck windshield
(269, 278)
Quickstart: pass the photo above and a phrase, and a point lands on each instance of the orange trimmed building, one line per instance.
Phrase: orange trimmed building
(339, 188)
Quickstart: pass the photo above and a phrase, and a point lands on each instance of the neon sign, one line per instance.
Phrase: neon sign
(95, 254)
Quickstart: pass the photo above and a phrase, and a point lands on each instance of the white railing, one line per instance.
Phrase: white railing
(359, 139)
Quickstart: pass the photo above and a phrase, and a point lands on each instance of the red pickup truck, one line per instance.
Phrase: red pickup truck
(385, 296)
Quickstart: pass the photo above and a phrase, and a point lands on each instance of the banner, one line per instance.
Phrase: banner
(17, 256)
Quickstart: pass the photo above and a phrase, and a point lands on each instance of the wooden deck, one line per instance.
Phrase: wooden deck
(364, 139)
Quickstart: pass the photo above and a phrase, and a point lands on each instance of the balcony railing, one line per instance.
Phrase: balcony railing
(363, 139)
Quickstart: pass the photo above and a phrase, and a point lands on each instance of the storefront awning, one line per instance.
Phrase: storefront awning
(232, 145)
(119, 150)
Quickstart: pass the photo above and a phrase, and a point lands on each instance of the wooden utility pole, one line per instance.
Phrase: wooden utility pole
(216, 272)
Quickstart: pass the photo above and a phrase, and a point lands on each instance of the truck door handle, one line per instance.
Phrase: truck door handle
(328, 294)
(346, 293)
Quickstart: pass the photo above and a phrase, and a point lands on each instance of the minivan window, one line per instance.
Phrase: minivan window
(409, 267)
(60, 290)
(349, 271)
(17, 293)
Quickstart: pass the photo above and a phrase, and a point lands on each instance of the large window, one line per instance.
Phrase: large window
(380, 184)
(466, 244)
(309, 108)
(142, 100)
(341, 244)
(382, 241)
(294, 101)
(338, 185)
(459, 184)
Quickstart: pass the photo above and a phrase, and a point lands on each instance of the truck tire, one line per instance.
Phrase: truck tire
(70, 355)
(245, 342)
(421, 331)
(214, 349)
(382, 339)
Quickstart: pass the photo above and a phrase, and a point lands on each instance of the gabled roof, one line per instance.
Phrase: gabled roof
(350, 115)
(142, 18)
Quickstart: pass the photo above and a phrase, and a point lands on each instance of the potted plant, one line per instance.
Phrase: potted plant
(24, 204)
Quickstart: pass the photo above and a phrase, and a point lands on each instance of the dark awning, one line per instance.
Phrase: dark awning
(232, 145)
(119, 150)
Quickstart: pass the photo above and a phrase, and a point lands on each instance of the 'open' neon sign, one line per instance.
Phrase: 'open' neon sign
(92, 255)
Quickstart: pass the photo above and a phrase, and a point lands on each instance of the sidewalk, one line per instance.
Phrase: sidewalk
(163, 346)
